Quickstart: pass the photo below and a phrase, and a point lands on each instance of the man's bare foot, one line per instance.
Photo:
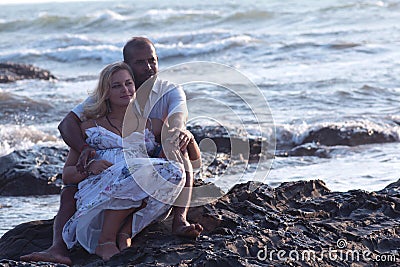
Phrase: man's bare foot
(186, 229)
(124, 241)
(49, 255)
(106, 250)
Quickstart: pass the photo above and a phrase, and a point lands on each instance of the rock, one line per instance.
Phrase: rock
(308, 149)
(392, 189)
(232, 142)
(347, 136)
(249, 226)
(11, 72)
(35, 171)
(31, 236)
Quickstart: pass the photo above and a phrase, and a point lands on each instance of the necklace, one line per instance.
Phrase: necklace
(112, 125)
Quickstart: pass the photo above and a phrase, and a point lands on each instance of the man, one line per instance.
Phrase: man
(156, 102)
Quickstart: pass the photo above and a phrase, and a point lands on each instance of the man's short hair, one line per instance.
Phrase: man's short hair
(135, 43)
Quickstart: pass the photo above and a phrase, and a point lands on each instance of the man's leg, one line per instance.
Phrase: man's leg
(58, 251)
(180, 225)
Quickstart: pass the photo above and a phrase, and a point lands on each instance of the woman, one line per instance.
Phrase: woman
(112, 207)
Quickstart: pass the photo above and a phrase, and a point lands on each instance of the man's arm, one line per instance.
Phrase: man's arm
(70, 130)
(193, 149)
(177, 116)
(71, 133)
(70, 173)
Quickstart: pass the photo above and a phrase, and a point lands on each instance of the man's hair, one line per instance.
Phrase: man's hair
(135, 43)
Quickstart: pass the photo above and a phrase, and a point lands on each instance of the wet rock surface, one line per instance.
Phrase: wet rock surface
(348, 136)
(307, 149)
(317, 142)
(32, 172)
(230, 141)
(321, 142)
(11, 72)
(250, 225)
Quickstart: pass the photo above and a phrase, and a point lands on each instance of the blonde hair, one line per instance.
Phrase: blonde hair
(100, 106)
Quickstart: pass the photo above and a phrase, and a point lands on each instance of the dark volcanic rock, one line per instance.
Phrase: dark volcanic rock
(11, 72)
(308, 149)
(348, 136)
(249, 225)
(32, 172)
(235, 143)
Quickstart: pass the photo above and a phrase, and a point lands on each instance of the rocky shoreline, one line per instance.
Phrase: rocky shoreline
(37, 171)
(296, 224)
(11, 72)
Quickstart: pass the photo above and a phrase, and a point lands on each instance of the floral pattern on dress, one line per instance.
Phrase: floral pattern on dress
(132, 178)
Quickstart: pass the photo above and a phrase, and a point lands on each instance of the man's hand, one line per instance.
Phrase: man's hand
(181, 138)
(185, 138)
(86, 154)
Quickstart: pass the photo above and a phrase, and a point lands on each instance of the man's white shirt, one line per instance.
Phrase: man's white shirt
(165, 99)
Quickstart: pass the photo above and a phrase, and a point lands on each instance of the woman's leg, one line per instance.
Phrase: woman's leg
(113, 220)
(124, 235)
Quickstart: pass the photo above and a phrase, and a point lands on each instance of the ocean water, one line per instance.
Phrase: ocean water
(320, 65)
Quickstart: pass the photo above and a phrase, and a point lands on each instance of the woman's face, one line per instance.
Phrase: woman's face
(122, 88)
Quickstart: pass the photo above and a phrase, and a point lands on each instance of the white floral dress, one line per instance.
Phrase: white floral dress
(134, 177)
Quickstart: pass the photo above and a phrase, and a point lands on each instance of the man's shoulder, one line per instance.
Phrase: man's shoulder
(163, 86)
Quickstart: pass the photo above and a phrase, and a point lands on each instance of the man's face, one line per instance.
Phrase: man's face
(144, 64)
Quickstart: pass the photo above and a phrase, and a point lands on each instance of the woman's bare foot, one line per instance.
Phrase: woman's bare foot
(52, 254)
(185, 229)
(124, 241)
(106, 250)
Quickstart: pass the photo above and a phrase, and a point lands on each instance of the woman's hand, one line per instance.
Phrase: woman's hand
(87, 152)
(97, 166)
